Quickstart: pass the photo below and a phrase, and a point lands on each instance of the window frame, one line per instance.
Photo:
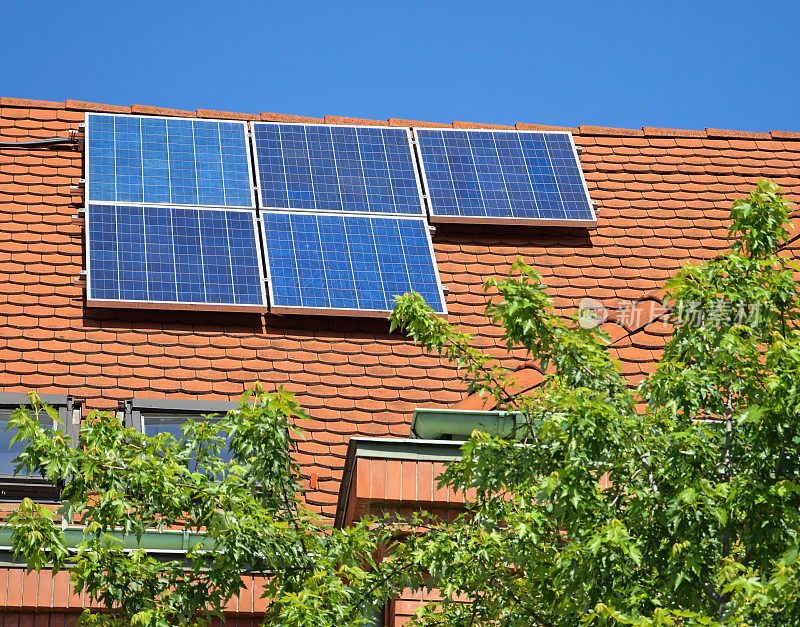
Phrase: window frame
(15, 487)
(136, 409)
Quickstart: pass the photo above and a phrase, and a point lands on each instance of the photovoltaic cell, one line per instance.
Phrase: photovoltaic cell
(484, 176)
(170, 161)
(154, 254)
(336, 168)
(344, 262)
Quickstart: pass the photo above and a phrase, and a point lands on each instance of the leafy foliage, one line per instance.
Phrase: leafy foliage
(247, 513)
(697, 518)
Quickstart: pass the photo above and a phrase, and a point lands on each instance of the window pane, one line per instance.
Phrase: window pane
(153, 424)
(169, 423)
(377, 618)
(8, 451)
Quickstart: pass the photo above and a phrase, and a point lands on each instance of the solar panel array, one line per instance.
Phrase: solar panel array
(313, 179)
(173, 161)
(172, 218)
(346, 262)
(336, 168)
(497, 176)
(181, 255)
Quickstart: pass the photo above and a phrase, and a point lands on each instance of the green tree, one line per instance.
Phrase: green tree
(700, 524)
(233, 484)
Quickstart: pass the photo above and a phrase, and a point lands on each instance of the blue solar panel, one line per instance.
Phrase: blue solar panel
(498, 176)
(340, 262)
(336, 168)
(170, 161)
(179, 255)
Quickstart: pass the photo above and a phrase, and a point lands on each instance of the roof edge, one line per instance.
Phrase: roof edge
(582, 130)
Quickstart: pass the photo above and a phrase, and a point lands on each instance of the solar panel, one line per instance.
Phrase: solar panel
(327, 263)
(367, 169)
(503, 177)
(171, 161)
(199, 257)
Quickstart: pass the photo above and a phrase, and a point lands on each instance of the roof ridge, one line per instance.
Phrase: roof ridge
(582, 130)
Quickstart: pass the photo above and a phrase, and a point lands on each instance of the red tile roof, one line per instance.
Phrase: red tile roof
(664, 197)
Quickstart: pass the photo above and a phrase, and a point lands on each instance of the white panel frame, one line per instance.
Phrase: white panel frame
(87, 181)
(173, 305)
(443, 219)
(412, 153)
(359, 313)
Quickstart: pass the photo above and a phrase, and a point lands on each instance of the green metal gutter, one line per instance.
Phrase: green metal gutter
(172, 541)
(458, 424)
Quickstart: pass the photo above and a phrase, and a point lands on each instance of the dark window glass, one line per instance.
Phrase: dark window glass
(31, 484)
(153, 424)
(8, 451)
(377, 618)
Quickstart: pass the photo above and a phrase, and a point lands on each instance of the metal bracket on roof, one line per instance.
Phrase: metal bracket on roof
(432, 229)
(445, 289)
(78, 136)
(76, 414)
(596, 203)
(578, 148)
(81, 215)
(75, 138)
(41, 143)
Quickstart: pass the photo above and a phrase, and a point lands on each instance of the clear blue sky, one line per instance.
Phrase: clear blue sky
(723, 64)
